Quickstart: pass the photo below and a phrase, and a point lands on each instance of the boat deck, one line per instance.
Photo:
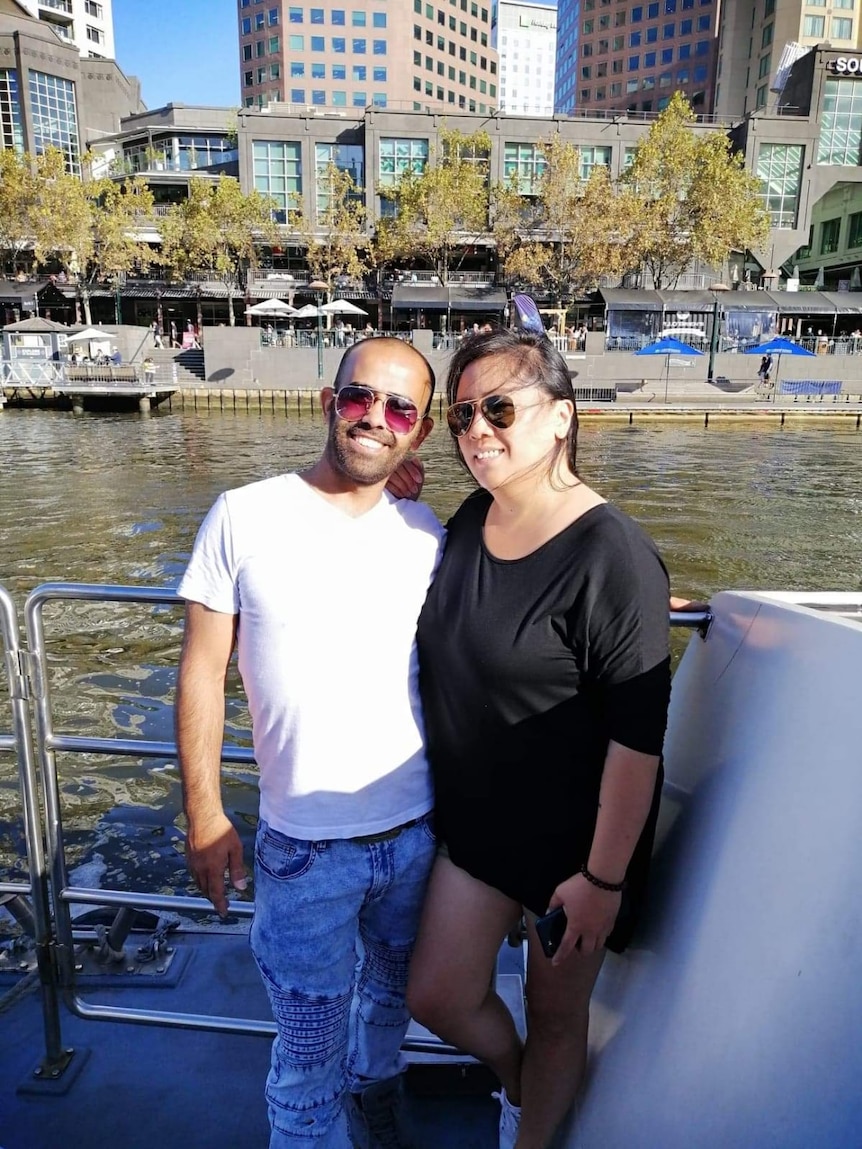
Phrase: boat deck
(140, 1086)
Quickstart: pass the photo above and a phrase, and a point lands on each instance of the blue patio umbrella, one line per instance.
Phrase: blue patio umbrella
(778, 347)
(668, 347)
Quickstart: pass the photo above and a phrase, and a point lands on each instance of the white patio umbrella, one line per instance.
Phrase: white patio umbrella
(308, 312)
(342, 307)
(87, 334)
(271, 307)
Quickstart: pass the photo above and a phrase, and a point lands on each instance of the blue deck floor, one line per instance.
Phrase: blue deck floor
(136, 1086)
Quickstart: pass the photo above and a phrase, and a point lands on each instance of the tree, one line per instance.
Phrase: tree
(334, 235)
(17, 195)
(563, 231)
(442, 210)
(217, 229)
(93, 228)
(688, 197)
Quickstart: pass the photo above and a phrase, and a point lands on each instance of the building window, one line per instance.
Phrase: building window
(594, 157)
(842, 3)
(55, 118)
(97, 36)
(779, 167)
(297, 96)
(524, 164)
(842, 28)
(359, 73)
(399, 156)
(763, 70)
(11, 134)
(246, 51)
(854, 230)
(318, 71)
(357, 19)
(278, 171)
(94, 9)
(359, 47)
(830, 231)
(339, 71)
(360, 100)
(841, 124)
(814, 26)
(378, 75)
(246, 26)
(378, 20)
(317, 16)
(318, 43)
(272, 17)
(378, 47)
(766, 36)
(338, 16)
(297, 43)
(295, 15)
(339, 44)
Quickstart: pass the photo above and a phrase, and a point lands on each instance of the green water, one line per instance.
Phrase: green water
(117, 499)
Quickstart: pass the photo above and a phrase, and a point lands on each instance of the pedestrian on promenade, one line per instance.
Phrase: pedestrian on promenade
(149, 367)
(344, 843)
(764, 369)
(545, 682)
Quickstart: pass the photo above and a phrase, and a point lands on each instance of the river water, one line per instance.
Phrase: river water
(117, 499)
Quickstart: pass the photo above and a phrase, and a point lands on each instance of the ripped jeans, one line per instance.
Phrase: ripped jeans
(333, 931)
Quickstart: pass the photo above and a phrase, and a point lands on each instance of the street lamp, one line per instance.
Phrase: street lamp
(319, 288)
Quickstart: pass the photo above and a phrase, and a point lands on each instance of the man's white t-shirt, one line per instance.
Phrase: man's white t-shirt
(328, 606)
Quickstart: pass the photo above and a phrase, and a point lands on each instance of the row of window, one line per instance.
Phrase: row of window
(358, 17)
(841, 27)
(602, 48)
(833, 3)
(650, 60)
(260, 21)
(669, 31)
(429, 62)
(359, 47)
(483, 86)
(652, 10)
(358, 72)
(647, 83)
(466, 5)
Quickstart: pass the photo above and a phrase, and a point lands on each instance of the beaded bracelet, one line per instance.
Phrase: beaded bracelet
(611, 887)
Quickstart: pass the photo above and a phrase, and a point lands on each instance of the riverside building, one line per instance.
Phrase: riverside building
(372, 54)
(525, 36)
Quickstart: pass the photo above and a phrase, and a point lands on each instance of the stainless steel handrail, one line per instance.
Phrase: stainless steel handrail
(49, 742)
(37, 889)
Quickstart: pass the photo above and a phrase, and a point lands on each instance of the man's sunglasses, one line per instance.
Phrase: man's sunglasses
(497, 410)
(353, 402)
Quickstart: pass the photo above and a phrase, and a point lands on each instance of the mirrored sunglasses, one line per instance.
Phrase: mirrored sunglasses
(353, 402)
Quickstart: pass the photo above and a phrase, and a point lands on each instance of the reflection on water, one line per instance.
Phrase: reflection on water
(117, 499)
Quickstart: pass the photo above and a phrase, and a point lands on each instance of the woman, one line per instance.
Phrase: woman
(545, 682)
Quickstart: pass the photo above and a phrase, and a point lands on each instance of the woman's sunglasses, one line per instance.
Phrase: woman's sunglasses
(353, 402)
(497, 410)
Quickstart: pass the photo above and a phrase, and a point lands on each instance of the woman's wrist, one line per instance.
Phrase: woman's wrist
(600, 883)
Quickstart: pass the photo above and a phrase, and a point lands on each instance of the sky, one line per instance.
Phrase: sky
(183, 51)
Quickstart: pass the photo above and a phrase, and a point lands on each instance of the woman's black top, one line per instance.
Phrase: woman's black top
(528, 668)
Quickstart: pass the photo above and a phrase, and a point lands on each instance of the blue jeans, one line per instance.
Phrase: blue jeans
(333, 931)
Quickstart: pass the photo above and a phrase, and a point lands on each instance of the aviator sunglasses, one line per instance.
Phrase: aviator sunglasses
(497, 410)
(353, 402)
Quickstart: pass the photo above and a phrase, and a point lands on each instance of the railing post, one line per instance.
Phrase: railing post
(18, 666)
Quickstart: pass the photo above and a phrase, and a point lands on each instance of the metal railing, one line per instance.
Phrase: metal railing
(36, 742)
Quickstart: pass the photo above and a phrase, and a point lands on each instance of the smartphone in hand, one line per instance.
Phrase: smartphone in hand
(551, 929)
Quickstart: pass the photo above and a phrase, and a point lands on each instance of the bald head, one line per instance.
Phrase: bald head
(358, 363)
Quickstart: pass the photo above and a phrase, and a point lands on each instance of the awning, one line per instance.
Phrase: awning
(846, 302)
(625, 299)
(687, 300)
(801, 302)
(455, 297)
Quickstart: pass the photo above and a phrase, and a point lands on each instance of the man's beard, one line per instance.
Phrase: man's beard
(362, 468)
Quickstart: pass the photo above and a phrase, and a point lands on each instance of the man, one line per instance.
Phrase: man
(319, 577)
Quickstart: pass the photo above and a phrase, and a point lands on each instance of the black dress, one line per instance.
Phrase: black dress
(528, 668)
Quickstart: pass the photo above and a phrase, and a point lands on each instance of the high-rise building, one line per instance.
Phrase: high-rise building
(754, 33)
(86, 24)
(373, 54)
(525, 36)
(635, 55)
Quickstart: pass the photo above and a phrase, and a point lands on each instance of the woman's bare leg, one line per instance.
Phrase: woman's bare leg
(451, 988)
(555, 1055)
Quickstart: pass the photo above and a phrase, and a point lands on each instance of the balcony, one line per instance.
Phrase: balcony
(57, 5)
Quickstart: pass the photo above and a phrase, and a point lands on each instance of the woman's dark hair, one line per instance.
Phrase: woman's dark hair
(534, 360)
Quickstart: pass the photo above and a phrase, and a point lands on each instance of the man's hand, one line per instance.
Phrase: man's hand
(407, 480)
(213, 849)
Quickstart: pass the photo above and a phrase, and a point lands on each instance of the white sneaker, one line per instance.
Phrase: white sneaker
(510, 1120)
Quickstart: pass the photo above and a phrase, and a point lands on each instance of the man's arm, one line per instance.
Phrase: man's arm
(212, 844)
